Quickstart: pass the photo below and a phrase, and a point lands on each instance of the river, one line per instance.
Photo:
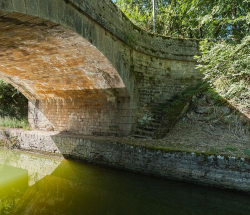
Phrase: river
(34, 184)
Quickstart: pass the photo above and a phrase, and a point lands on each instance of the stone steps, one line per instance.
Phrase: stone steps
(148, 128)
(142, 136)
(146, 132)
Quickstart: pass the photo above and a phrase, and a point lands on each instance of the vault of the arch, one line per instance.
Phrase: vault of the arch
(44, 60)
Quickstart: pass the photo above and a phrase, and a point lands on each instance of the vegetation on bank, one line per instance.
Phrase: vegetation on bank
(13, 122)
(13, 107)
(227, 68)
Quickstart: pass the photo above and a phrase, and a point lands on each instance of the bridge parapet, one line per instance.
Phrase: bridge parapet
(69, 13)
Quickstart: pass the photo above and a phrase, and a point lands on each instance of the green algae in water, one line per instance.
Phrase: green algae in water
(13, 183)
(43, 185)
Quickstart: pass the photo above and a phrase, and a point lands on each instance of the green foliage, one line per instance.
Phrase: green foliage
(191, 18)
(137, 11)
(226, 65)
(212, 150)
(232, 148)
(12, 102)
(246, 152)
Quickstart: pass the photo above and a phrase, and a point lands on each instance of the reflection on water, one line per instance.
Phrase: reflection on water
(37, 166)
(75, 188)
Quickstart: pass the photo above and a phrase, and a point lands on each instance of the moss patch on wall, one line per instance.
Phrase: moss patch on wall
(176, 107)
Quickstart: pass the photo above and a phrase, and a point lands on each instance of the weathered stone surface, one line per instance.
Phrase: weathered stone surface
(19, 5)
(91, 116)
(108, 58)
(54, 63)
(32, 7)
(6, 5)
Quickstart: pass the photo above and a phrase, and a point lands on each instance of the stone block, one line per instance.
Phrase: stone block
(32, 7)
(44, 9)
(53, 10)
(6, 6)
(19, 6)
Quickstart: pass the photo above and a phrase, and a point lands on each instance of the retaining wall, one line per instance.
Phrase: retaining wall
(211, 170)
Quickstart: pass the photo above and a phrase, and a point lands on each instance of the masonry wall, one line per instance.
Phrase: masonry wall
(210, 170)
(100, 116)
(158, 80)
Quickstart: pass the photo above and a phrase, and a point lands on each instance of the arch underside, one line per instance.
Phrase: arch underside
(71, 85)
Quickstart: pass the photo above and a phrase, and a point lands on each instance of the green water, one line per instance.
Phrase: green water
(32, 184)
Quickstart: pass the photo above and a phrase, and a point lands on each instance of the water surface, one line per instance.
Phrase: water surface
(32, 184)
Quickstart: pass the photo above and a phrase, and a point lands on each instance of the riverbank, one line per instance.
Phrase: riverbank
(209, 169)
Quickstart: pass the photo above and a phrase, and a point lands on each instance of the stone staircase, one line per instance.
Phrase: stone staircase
(147, 130)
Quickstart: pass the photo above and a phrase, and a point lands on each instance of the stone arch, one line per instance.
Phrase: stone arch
(70, 84)
(83, 17)
(153, 68)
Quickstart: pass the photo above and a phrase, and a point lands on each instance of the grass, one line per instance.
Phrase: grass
(212, 150)
(246, 152)
(12, 122)
(231, 148)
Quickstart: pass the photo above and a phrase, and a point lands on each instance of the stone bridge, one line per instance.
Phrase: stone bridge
(85, 68)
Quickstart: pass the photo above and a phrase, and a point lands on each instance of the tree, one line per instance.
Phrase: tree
(190, 18)
(225, 60)
(12, 102)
